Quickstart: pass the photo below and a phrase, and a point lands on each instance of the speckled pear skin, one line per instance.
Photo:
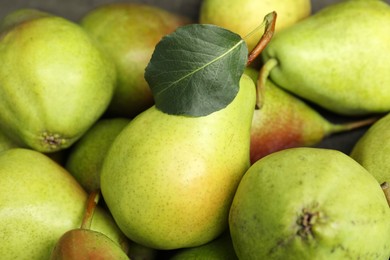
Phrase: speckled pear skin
(169, 180)
(309, 203)
(85, 158)
(129, 32)
(55, 81)
(87, 244)
(39, 202)
(372, 150)
(337, 58)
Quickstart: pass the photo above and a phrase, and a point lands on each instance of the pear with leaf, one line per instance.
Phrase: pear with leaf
(337, 58)
(170, 175)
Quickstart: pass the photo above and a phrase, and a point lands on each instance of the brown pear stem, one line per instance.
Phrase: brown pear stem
(262, 79)
(386, 189)
(270, 21)
(354, 125)
(92, 201)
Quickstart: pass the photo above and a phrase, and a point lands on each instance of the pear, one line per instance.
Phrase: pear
(309, 203)
(168, 180)
(220, 248)
(129, 32)
(326, 59)
(55, 81)
(84, 243)
(86, 157)
(373, 148)
(242, 17)
(285, 121)
(39, 202)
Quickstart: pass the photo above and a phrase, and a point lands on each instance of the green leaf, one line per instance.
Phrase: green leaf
(196, 70)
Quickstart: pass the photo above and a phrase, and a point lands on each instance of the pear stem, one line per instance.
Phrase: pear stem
(262, 79)
(386, 189)
(92, 201)
(270, 21)
(337, 128)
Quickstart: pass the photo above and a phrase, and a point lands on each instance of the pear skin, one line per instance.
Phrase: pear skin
(40, 201)
(129, 32)
(309, 203)
(168, 180)
(373, 148)
(334, 58)
(55, 81)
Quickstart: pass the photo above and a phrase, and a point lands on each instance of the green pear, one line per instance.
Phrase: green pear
(244, 16)
(39, 202)
(86, 157)
(129, 32)
(284, 121)
(333, 58)
(55, 82)
(168, 180)
(220, 248)
(309, 203)
(84, 243)
(373, 148)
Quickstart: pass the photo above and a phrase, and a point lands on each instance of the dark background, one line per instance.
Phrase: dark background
(75, 9)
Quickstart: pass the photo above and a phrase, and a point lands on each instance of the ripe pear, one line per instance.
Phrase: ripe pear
(168, 180)
(39, 202)
(6, 143)
(243, 16)
(55, 82)
(129, 32)
(284, 121)
(309, 203)
(333, 58)
(373, 148)
(84, 243)
(86, 157)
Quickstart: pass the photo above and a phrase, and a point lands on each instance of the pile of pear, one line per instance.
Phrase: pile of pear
(249, 181)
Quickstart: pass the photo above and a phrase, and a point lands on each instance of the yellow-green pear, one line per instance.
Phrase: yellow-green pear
(243, 16)
(337, 58)
(309, 203)
(372, 150)
(129, 32)
(86, 157)
(39, 202)
(55, 81)
(168, 180)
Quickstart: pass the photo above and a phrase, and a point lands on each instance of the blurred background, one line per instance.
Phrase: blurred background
(75, 9)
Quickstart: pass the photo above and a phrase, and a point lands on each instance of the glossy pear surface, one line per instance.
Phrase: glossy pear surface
(169, 180)
(54, 80)
(129, 32)
(39, 202)
(309, 203)
(334, 57)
